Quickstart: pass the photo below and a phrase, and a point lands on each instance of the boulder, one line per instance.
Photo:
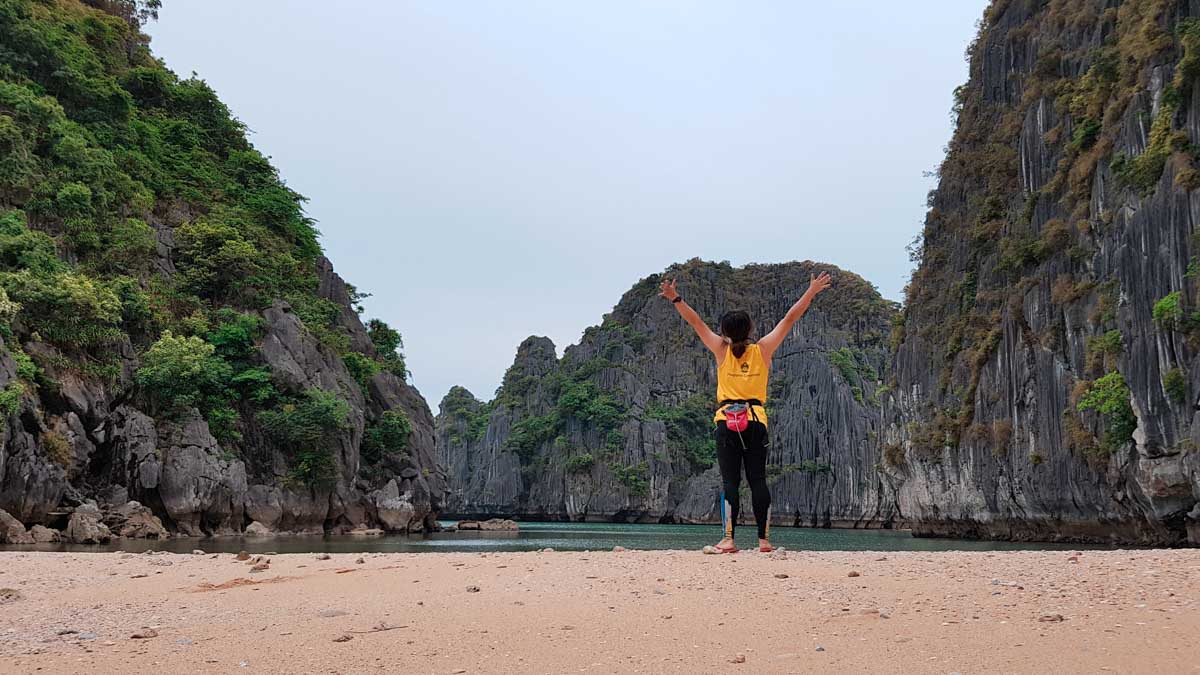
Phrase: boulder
(257, 529)
(396, 514)
(395, 509)
(498, 524)
(85, 526)
(134, 521)
(12, 531)
(45, 535)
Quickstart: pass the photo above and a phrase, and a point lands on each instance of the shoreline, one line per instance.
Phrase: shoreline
(629, 611)
(1016, 531)
(533, 536)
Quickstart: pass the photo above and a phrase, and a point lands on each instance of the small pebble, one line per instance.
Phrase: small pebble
(739, 658)
(472, 589)
(854, 573)
(781, 575)
(242, 555)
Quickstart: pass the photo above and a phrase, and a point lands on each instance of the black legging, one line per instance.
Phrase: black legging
(730, 457)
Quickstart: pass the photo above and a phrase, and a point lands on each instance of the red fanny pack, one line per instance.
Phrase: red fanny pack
(737, 417)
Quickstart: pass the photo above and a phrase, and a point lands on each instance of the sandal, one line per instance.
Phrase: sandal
(720, 549)
(766, 549)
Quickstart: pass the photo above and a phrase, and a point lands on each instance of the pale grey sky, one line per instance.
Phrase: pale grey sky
(495, 169)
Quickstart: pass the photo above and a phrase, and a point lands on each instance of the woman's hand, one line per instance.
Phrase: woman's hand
(818, 283)
(668, 290)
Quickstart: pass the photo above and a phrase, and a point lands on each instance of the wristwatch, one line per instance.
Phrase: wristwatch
(678, 298)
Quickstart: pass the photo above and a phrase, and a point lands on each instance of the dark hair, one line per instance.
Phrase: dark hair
(736, 326)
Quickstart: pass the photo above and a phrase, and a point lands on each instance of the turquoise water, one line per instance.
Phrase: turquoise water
(562, 537)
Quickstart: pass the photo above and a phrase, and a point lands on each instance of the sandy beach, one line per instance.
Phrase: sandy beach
(627, 611)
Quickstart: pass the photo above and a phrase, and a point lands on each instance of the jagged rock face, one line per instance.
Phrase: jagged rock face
(111, 451)
(1036, 395)
(620, 428)
(132, 272)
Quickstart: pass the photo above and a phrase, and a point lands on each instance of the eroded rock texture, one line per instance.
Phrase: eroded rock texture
(1046, 379)
(620, 427)
(84, 441)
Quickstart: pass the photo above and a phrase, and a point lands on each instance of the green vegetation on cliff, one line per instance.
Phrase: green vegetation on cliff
(997, 234)
(133, 210)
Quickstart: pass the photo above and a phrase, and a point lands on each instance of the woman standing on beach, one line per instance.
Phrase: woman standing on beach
(743, 367)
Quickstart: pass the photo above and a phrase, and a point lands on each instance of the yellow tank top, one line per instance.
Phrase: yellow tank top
(743, 379)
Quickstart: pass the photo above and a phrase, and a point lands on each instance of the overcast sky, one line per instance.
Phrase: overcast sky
(491, 170)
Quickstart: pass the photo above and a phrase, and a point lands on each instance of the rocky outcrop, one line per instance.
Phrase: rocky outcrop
(200, 490)
(82, 440)
(86, 527)
(257, 529)
(45, 535)
(12, 531)
(134, 521)
(1046, 375)
(393, 508)
(620, 427)
(489, 525)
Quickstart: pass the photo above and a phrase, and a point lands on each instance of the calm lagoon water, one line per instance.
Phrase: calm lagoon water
(561, 537)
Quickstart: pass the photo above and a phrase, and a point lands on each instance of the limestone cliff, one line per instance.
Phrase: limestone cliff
(170, 332)
(1046, 373)
(620, 427)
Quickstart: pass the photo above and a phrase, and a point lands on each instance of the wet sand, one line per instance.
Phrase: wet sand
(631, 611)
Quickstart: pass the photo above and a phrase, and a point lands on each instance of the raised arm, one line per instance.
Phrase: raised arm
(771, 341)
(710, 339)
